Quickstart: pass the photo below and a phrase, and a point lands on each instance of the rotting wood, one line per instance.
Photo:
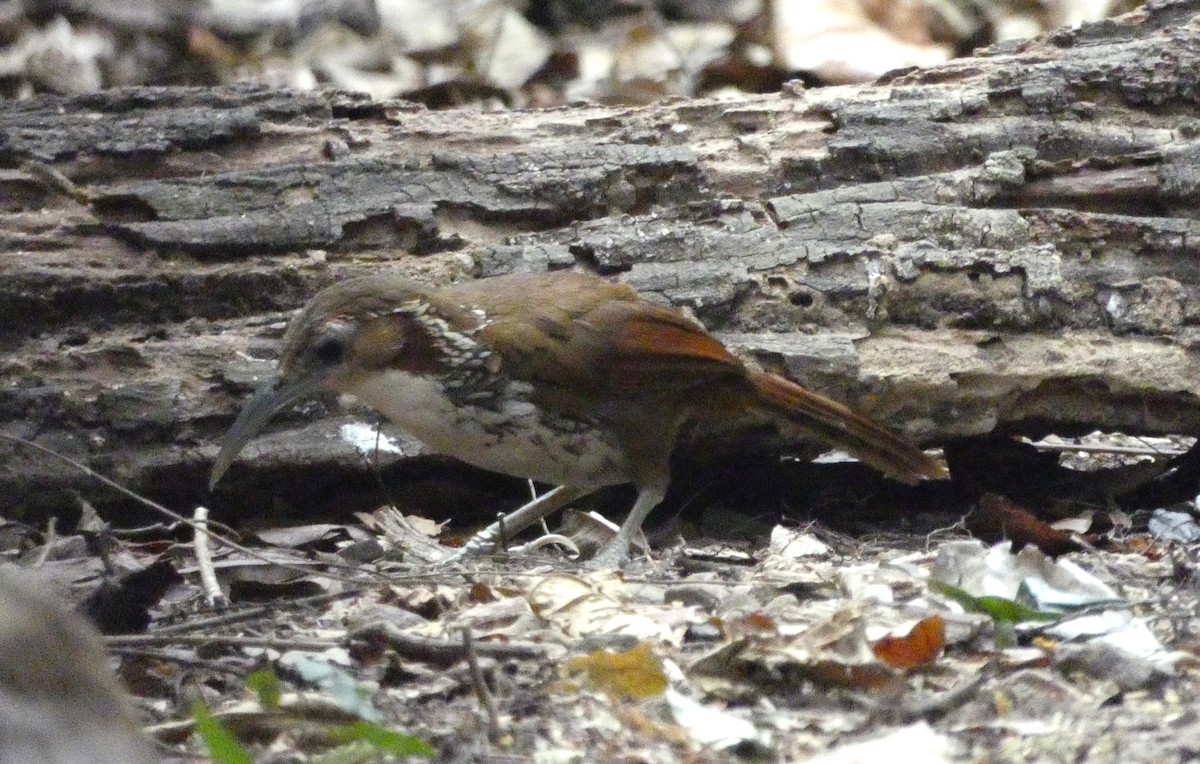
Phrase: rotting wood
(1006, 243)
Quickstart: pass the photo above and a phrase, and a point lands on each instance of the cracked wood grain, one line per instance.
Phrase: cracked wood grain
(1003, 244)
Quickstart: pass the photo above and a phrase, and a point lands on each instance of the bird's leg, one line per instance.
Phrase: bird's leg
(616, 552)
(518, 520)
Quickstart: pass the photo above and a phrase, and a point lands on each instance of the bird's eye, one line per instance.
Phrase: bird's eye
(329, 350)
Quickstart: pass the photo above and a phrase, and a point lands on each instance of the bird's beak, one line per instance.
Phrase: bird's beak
(269, 398)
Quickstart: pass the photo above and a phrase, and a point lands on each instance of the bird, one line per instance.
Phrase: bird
(561, 377)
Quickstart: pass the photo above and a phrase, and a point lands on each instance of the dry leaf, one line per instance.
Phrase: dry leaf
(753, 623)
(834, 652)
(579, 606)
(480, 593)
(636, 673)
(920, 647)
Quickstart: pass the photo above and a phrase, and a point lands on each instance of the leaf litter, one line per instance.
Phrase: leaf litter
(807, 644)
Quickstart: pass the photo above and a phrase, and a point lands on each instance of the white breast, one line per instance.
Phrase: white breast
(517, 440)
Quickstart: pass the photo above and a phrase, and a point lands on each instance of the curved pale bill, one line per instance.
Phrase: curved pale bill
(269, 398)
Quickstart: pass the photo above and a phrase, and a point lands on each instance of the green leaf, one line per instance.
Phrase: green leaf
(222, 747)
(267, 686)
(1000, 609)
(383, 738)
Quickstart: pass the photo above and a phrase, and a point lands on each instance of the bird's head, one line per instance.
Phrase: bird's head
(346, 331)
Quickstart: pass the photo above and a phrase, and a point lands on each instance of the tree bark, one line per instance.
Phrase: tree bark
(1004, 244)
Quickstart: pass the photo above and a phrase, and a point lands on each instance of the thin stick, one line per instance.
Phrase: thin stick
(208, 576)
(445, 652)
(479, 683)
(201, 640)
(160, 508)
(249, 614)
(126, 492)
(51, 539)
(1098, 448)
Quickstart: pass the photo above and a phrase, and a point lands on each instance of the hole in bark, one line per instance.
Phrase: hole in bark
(124, 208)
(374, 231)
(74, 339)
(801, 299)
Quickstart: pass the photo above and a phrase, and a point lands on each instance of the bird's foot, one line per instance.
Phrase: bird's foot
(614, 555)
(493, 538)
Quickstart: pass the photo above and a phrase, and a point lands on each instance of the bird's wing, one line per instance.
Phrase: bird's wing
(581, 333)
(646, 347)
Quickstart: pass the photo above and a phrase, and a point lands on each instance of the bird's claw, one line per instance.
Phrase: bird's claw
(614, 555)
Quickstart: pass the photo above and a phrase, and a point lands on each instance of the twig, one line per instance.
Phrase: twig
(479, 683)
(533, 494)
(200, 640)
(224, 619)
(439, 651)
(502, 539)
(163, 510)
(1099, 448)
(176, 657)
(927, 706)
(208, 576)
(51, 537)
(549, 539)
(939, 704)
(445, 652)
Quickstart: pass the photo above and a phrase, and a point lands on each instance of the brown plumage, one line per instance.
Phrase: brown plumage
(561, 377)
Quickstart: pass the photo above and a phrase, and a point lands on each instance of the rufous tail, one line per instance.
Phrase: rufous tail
(841, 428)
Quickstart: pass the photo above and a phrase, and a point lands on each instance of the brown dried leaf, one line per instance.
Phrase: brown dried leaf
(834, 652)
(919, 647)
